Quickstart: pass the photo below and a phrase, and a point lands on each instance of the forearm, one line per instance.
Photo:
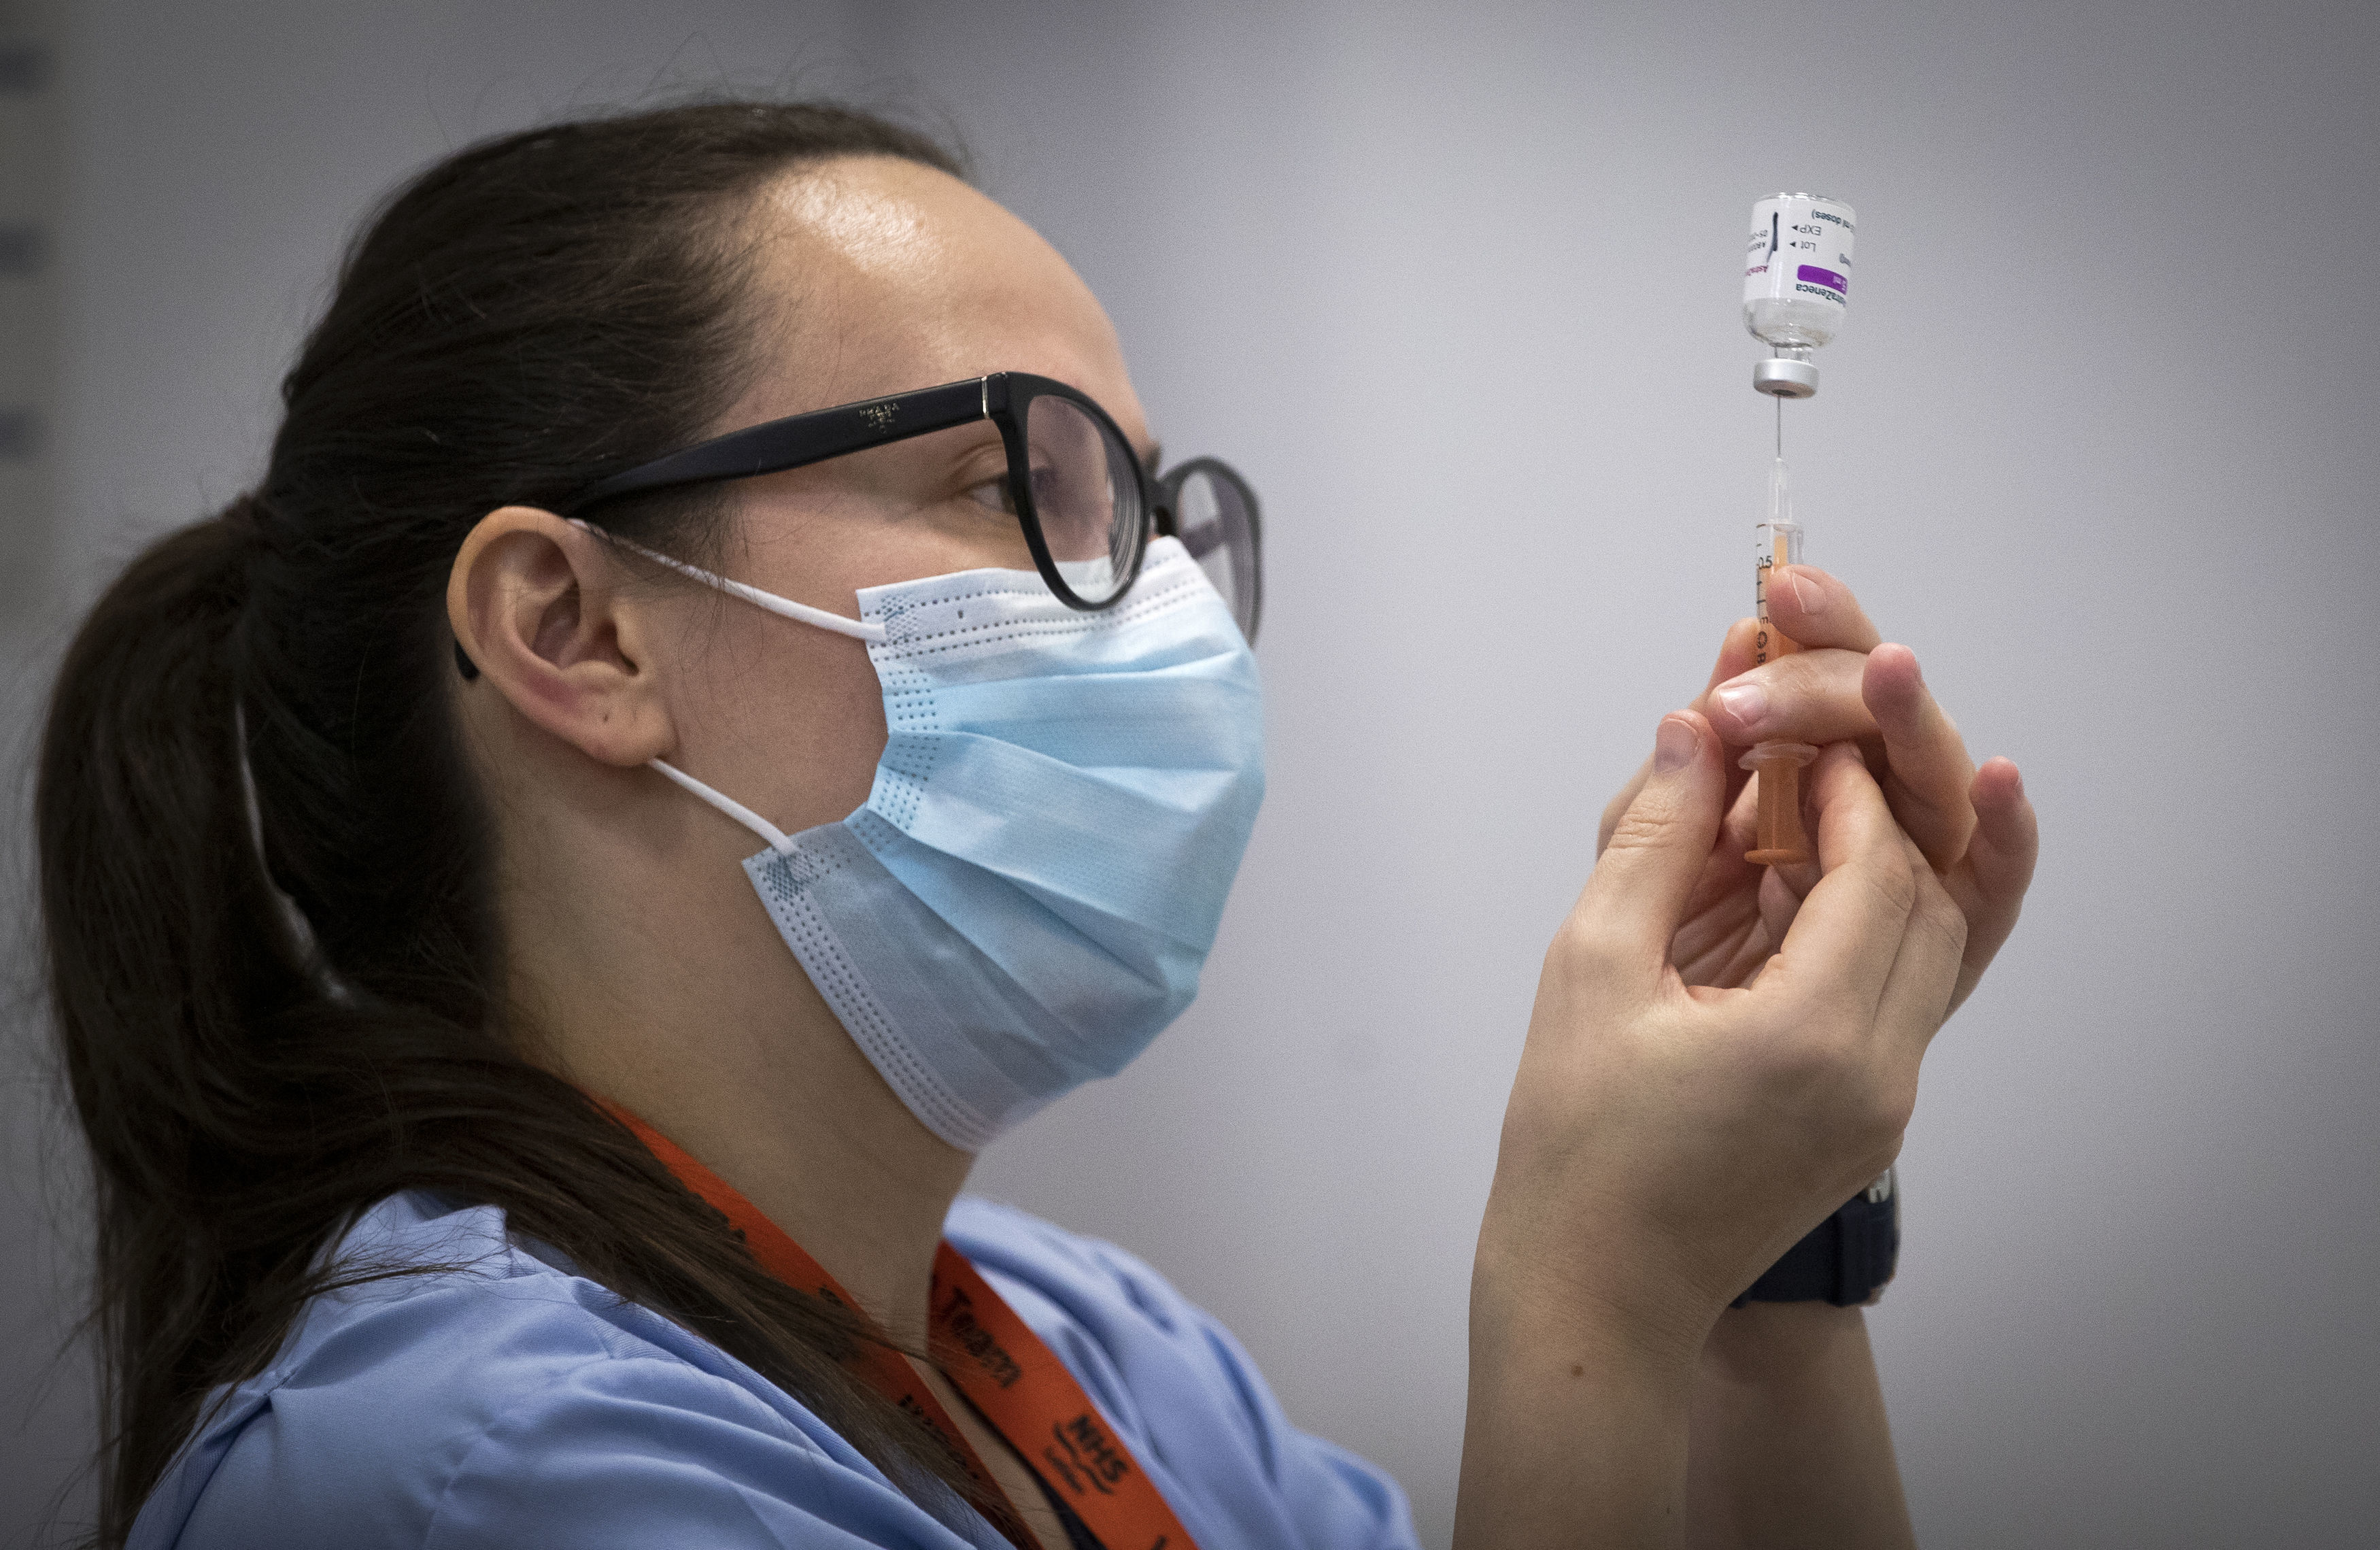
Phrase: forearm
(1576, 1430)
(1788, 1441)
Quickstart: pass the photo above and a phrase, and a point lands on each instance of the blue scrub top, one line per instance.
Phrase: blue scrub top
(506, 1401)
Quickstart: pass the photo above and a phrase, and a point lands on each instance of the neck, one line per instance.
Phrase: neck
(863, 1190)
(688, 1010)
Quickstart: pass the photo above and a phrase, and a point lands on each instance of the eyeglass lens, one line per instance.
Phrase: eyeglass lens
(1210, 514)
(1086, 496)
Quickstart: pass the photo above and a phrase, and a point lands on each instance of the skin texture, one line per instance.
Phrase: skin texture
(1682, 1112)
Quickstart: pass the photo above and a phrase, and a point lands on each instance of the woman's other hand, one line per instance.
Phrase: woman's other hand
(1975, 827)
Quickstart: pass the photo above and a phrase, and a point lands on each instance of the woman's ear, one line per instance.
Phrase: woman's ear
(537, 609)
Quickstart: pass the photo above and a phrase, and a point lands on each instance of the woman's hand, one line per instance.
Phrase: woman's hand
(1699, 1130)
(1974, 827)
(1666, 1141)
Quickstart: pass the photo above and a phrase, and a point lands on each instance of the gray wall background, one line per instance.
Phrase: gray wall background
(1456, 286)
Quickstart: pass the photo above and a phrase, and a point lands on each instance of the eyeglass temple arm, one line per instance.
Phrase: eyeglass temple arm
(802, 439)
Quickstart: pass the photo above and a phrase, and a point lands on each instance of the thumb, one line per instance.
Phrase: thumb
(1657, 853)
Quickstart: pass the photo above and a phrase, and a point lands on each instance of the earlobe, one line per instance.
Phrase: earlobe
(535, 610)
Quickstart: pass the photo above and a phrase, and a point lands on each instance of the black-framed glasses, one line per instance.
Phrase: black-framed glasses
(1087, 505)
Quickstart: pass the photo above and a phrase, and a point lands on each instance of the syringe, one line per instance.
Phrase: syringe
(1796, 280)
(1779, 837)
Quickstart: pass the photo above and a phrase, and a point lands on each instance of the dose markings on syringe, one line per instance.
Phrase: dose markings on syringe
(1780, 552)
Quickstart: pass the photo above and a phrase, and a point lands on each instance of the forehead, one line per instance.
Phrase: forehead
(875, 275)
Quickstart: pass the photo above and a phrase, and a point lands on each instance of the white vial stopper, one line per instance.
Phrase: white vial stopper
(1797, 267)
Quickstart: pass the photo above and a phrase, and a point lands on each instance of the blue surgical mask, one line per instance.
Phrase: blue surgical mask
(1030, 893)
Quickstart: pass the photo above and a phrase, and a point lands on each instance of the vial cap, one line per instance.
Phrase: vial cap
(1781, 378)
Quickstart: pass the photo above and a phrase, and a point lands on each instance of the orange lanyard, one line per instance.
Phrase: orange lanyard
(1014, 1381)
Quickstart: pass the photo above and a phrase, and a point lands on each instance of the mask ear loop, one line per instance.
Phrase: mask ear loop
(778, 841)
(862, 630)
(858, 629)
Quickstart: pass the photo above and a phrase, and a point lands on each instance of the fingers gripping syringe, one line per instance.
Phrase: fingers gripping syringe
(1796, 282)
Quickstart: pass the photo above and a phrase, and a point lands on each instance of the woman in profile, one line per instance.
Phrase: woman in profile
(713, 711)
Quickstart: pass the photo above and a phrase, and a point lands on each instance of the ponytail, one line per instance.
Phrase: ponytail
(160, 929)
(160, 954)
(265, 873)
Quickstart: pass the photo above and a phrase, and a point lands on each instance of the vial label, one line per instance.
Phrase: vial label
(1824, 284)
(1797, 269)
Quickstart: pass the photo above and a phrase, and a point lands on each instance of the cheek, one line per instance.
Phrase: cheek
(833, 746)
(951, 538)
(791, 718)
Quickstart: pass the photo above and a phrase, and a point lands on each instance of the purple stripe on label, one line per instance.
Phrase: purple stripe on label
(1826, 277)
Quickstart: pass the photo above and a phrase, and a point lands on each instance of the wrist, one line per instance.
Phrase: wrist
(1846, 1260)
(1519, 1311)
(1789, 1442)
(1770, 1344)
(1601, 1288)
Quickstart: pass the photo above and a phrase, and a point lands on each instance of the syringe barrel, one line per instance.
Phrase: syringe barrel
(1779, 542)
(1797, 270)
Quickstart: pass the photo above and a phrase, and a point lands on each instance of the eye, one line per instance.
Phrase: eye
(992, 495)
(1049, 490)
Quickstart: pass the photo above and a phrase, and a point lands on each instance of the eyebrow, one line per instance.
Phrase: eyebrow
(1152, 457)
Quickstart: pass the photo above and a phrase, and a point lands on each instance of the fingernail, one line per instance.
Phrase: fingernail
(1674, 746)
(1746, 702)
(1811, 596)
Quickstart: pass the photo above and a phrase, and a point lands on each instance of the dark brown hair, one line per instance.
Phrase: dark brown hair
(527, 316)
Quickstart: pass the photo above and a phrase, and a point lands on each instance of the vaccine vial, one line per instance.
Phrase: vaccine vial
(1797, 276)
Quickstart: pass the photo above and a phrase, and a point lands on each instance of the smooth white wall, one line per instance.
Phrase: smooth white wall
(1455, 286)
